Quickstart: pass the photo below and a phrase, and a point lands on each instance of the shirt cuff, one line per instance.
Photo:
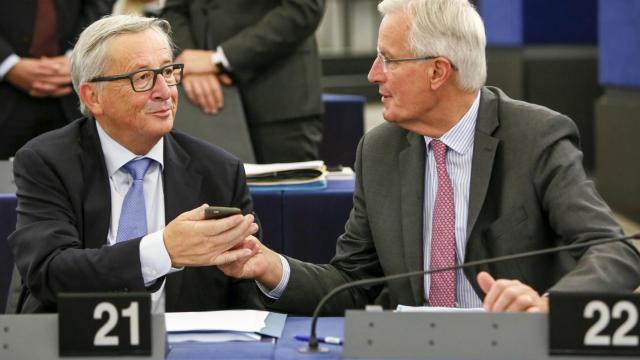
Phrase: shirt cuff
(8, 64)
(154, 258)
(223, 58)
(282, 286)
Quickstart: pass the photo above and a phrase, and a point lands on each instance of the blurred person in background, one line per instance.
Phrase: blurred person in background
(138, 7)
(268, 50)
(35, 86)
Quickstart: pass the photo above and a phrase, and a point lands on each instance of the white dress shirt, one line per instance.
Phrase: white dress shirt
(459, 140)
(154, 258)
(8, 64)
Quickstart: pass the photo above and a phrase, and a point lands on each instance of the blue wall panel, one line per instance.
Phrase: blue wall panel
(560, 21)
(539, 22)
(502, 21)
(619, 47)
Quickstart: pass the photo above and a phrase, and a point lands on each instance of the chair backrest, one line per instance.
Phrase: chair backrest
(343, 128)
(227, 129)
(7, 226)
(7, 183)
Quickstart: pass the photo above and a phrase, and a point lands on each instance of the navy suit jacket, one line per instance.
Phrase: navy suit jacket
(64, 211)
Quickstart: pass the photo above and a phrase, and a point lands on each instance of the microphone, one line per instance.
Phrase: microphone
(313, 345)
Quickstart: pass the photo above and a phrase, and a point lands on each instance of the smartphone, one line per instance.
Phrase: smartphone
(219, 212)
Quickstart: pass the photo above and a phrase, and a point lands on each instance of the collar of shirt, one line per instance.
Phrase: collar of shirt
(116, 155)
(460, 137)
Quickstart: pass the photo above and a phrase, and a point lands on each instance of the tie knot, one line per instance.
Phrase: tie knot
(138, 167)
(439, 150)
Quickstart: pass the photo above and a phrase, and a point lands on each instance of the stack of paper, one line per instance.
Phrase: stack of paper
(290, 176)
(221, 326)
(343, 173)
(436, 309)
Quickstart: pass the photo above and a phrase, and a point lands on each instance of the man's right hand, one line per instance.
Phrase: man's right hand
(191, 240)
(263, 266)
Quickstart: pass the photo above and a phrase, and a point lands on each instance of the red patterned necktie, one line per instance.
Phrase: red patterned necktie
(44, 41)
(442, 289)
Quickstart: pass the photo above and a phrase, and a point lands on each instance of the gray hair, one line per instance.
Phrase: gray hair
(449, 28)
(89, 58)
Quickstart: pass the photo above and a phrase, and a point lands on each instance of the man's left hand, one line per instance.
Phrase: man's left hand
(196, 61)
(58, 82)
(510, 296)
(205, 91)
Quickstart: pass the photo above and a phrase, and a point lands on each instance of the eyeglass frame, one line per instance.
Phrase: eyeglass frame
(385, 61)
(130, 75)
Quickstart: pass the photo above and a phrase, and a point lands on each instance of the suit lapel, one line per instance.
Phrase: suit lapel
(484, 151)
(181, 182)
(181, 186)
(97, 194)
(411, 165)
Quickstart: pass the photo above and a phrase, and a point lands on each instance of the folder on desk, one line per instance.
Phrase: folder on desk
(314, 185)
(304, 175)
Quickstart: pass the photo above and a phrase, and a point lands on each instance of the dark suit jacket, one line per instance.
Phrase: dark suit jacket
(64, 210)
(269, 43)
(528, 191)
(16, 27)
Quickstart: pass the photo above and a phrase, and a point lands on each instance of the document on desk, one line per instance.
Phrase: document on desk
(314, 167)
(343, 173)
(221, 326)
(436, 309)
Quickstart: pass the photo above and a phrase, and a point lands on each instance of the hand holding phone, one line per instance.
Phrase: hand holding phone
(220, 212)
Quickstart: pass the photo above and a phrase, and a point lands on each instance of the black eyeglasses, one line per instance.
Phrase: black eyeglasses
(145, 80)
(386, 62)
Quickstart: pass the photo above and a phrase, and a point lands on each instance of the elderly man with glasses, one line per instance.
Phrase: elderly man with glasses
(460, 172)
(114, 200)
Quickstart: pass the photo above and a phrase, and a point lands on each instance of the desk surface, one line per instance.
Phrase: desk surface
(285, 348)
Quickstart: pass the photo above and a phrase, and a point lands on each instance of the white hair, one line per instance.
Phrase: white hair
(448, 28)
(89, 57)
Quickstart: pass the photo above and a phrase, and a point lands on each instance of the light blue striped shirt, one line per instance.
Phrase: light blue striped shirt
(459, 141)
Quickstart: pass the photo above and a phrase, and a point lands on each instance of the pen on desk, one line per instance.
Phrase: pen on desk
(327, 339)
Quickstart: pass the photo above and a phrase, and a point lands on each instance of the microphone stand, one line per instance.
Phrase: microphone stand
(313, 344)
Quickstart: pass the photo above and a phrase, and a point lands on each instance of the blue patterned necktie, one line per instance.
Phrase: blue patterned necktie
(133, 217)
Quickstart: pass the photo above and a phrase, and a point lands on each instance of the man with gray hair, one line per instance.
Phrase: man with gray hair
(460, 172)
(114, 200)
